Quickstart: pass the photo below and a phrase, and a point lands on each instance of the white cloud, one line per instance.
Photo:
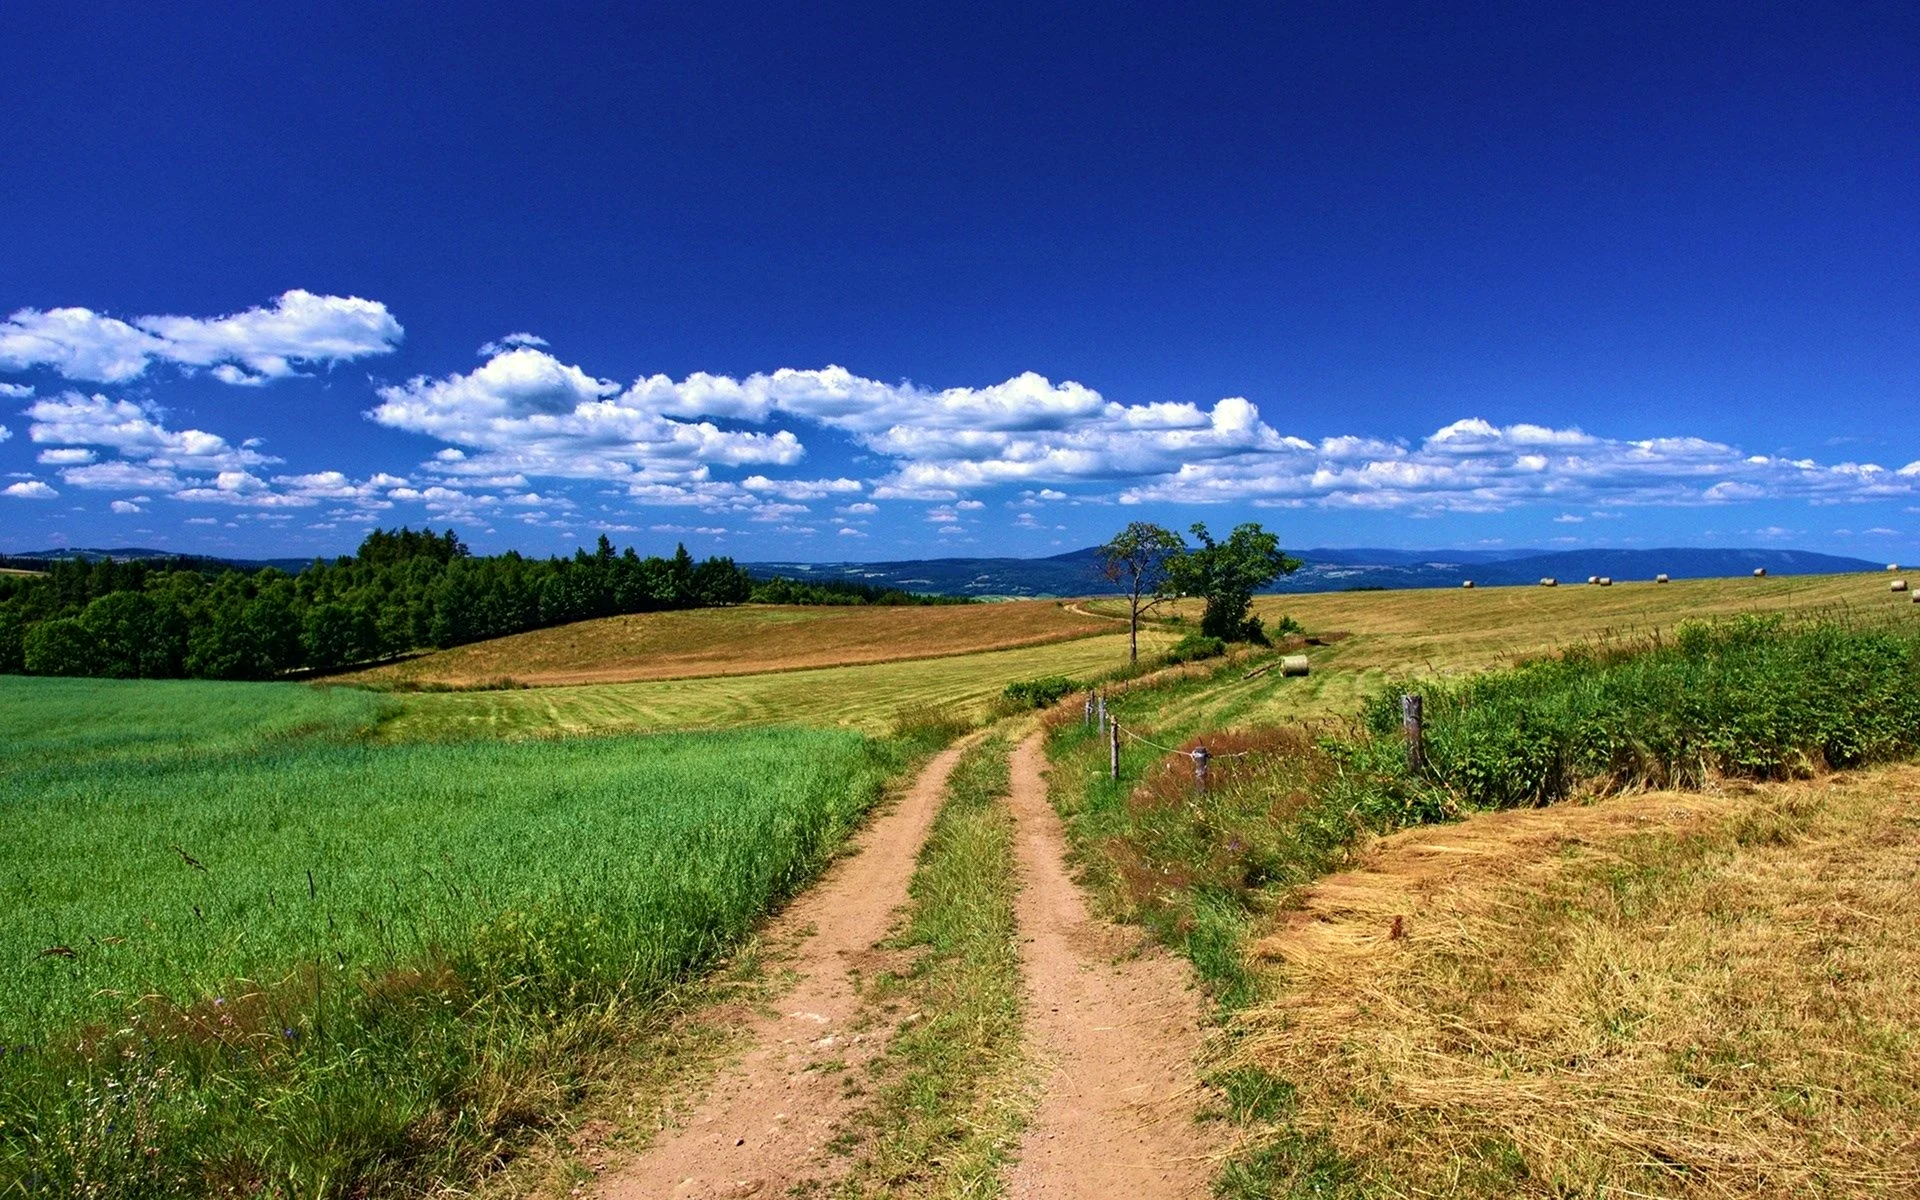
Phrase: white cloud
(32, 489)
(15, 391)
(136, 431)
(65, 458)
(527, 412)
(863, 508)
(510, 342)
(249, 348)
(849, 531)
(801, 489)
(122, 476)
(125, 506)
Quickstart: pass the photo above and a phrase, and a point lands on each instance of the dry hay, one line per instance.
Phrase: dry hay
(1671, 994)
(744, 640)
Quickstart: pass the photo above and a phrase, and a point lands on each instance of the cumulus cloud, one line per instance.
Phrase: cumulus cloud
(15, 391)
(1474, 466)
(135, 430)
(125, 506)
(248, 348)
(509, 342)
(29, 489)
(525, 411)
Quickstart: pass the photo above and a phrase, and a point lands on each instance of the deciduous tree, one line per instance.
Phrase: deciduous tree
(1140, 559)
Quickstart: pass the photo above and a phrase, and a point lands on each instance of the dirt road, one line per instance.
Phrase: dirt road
(765, 1126)
(1114, 1024)
(1116, 1031)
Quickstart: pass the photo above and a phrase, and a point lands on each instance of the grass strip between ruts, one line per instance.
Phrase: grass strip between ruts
(953, 1091)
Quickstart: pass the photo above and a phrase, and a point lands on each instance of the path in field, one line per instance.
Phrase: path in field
(764, 1127)
(1116, 1033)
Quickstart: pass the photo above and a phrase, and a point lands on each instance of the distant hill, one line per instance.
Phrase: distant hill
(140, 553)
(1331, 569)
(1327, 569)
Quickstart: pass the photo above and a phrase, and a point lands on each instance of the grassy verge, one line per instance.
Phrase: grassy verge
(249, 953)
(951, 1093)
(1748, 698)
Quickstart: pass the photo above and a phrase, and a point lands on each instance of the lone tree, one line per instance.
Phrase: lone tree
(1227, 574)
(1141, 558)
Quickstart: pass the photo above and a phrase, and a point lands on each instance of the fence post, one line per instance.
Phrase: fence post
(1103, 710)
(1113, 748)
(1411, 723)
(1087, 718)
(1200, 757)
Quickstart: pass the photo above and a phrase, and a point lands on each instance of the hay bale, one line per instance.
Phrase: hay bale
(1759, 572)
(1466, 583)
(1294, 664)
(1605, 581)
(1660, 578)
(1593, 579)
(1893, 566)
(1898, 585)
(1549, 581)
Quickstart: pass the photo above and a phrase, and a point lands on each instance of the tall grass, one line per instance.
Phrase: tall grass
(1753, 697)
(247, 953)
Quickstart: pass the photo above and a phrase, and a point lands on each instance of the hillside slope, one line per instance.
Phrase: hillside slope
(745, 640)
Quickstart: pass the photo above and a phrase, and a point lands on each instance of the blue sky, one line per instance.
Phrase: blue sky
(823, 282)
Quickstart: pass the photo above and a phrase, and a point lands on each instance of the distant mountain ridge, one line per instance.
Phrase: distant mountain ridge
(1331, 569)
(142, 553)
(1327, 569)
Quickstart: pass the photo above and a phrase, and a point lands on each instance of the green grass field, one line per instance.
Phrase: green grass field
(248, 950)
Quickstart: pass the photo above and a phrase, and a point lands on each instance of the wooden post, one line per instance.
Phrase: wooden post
(1103, 710)
(1113, 748)
(1087, 718)
(1200, 757)
(1410, 722)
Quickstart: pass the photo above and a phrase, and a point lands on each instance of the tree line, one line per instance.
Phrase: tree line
(401, 591)
(1152, 564)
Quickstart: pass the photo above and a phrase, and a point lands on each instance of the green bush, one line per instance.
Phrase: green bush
(1194, 647)
(1749, 697)
(1039, 693)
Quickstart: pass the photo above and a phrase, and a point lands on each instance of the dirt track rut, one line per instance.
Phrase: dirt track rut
(765, 1125)
(1114, 1024)
(1115, 1030)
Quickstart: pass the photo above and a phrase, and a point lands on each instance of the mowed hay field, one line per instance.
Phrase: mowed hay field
(1671, 994)
(1375, 636)
(871, 698)
(745, 640)
(248, 952)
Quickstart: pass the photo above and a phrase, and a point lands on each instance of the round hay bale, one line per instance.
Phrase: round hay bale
(1759, 572)
(1466, 583)
(1660, 578)
(1549, 581)
(1898, 585)
(1893, 566)
(1593, 579)
(1605, 581)
(1294, 664)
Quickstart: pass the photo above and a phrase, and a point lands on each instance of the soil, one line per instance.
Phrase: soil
(765, 1126)
(1114, 1022)
(1116, 1025)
